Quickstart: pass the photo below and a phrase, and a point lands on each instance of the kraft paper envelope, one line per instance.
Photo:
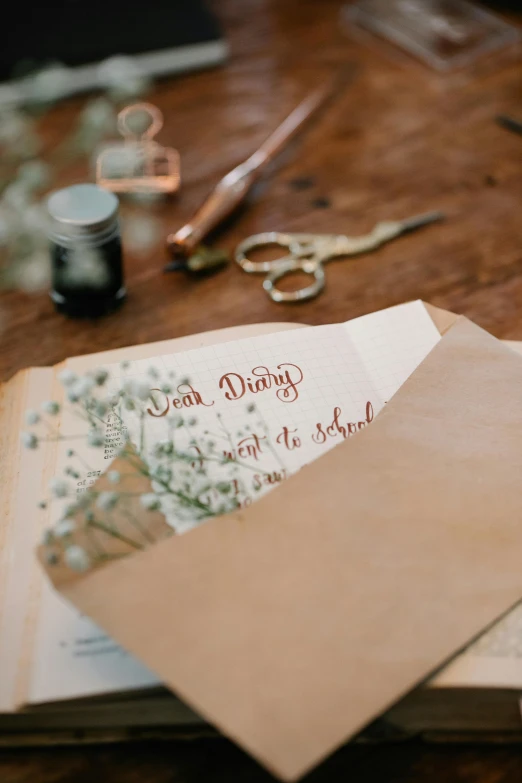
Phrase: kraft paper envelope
(292, 624)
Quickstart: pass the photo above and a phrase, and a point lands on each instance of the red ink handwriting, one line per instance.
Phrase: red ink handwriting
(187, 398)
(287, 439)
(247, 447)
(261, 379)
(268, 479)
(335, 428)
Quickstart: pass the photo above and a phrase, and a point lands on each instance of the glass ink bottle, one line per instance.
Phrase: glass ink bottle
(86, 255)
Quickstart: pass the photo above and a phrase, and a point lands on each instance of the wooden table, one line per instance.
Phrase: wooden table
(400, 140)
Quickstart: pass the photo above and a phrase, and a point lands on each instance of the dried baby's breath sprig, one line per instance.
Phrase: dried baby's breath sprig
(25, 176)
(189, 476)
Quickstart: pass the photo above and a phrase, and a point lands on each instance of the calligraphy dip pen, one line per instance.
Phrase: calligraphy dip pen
(185, 246)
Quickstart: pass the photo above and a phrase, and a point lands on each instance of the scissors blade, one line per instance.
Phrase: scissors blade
(412, 224)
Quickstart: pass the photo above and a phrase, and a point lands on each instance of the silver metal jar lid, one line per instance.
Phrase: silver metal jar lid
(82, 213)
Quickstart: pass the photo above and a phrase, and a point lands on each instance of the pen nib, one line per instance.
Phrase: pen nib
(203, 259)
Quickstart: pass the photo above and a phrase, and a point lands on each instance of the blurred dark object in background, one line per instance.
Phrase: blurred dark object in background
(160, 37)
(504, 5)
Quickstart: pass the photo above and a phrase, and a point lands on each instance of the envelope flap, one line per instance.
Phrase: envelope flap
(443, 319)
(292, 624)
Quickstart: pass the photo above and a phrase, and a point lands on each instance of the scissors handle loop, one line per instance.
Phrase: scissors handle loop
(257, 241)
(309, 267)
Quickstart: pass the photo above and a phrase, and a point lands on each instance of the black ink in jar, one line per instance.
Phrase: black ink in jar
(86, 257)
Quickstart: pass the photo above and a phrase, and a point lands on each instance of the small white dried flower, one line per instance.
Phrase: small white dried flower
(123, 77)
(29, 440)
(48, 537)
(50, 83)
(163, 474)
(36, 219)
(51, 407)
(32, 417)
(32, 273)
(42, 504)
(113, 399)
(163, 448)
(101, 408)
(72, 395)
(64, 528)
(137, 388)
(129, 404)
(67, 377)
(13, 125)
(192, 421)
(224, 486)
(82, 387)
(153, 373)
(77, 558)
(51, 558)
(34, 173)
(16, 195)
(251, 408)
(87, 268)
(100, 376)
(166, 388)
(150, 501)
(59, 487)
(107, 500)
(141, 234)
(98, 115)
(70, 452)
(95, 439)
(114, 476)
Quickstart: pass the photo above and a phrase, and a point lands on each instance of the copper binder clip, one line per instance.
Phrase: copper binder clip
(140, 164)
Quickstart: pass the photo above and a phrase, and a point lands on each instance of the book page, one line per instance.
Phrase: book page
(493, 661)
(22, 476)
(273, 403)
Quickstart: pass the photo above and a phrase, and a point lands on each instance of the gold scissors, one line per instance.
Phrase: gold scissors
(309, 252)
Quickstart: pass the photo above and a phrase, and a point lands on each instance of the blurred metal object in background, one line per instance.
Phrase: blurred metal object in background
(140, 164)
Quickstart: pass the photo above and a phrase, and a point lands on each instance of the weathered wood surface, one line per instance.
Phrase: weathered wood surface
(399, 141)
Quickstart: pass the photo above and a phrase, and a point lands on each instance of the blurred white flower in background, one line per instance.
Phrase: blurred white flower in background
(86, 268)
(49, 84)
(123, 78)
(25, 176)
(141, 232)
(18, 137)
(34, 174)
(99, 115)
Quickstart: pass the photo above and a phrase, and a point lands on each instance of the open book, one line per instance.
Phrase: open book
(277, 397)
